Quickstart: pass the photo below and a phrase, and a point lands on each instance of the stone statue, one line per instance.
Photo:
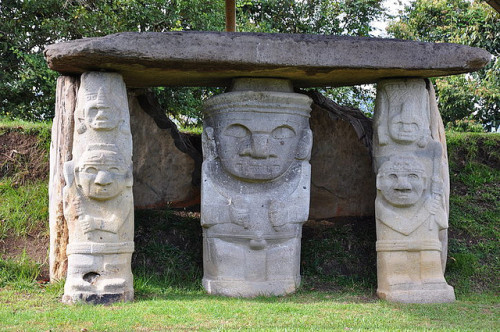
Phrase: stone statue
(411, 207)
(98, 202)
(255, 188)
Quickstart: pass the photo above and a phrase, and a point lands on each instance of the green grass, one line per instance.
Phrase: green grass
(197, 130)
(474, 254)
(7, 123)
(40, 310)
(18, 273)
(23, 208)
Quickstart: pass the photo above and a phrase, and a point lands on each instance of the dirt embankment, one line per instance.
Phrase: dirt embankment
(23, 160)
(23, 157)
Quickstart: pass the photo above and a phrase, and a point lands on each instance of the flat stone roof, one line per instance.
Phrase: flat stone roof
(192, 58)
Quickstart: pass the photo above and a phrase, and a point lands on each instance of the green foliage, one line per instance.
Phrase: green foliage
(323, 16)
(184, 104)
(473, 23)
(27, 86)
(465, 126)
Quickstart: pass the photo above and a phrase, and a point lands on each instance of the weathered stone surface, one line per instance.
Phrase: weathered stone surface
(411, 205)
(98, 202)
(342, 178)
(61, 147)
(167, 168)
(255, 188)
(214, 58)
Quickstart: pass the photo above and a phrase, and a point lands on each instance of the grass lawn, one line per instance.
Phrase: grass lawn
(32, 309)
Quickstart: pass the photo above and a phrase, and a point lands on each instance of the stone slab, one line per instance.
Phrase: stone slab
(212, 58)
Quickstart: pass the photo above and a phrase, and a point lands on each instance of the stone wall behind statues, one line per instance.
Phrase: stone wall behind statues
(166, 165)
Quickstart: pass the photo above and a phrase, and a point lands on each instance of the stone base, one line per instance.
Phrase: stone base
(418, 293)
(242, 288)
(93, 298)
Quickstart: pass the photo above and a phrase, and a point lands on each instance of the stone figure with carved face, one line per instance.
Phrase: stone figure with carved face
(98, 202)
(402, 122)
(100, 108)
(99, 212)
(255, 188)
(411, 204)
(409, 218)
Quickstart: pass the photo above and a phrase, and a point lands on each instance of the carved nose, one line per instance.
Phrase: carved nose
(407, 127)
(103, 178)
(260, 146)
(101, 114)
(403, 183)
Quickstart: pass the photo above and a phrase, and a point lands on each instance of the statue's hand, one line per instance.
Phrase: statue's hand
(86, 223)
(277, 213)
(239, 216)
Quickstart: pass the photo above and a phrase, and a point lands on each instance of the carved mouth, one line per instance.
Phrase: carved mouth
(258, 169)
(101, 121)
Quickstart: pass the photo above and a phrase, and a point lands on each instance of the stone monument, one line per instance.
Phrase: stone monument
(98, 202)
(255, 188)
(411, 204)
(257, 145)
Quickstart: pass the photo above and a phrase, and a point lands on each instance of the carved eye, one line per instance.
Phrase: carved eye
(114, 169)
(283, 132)
(91, 170)
(237, 131)
(393, 176)
(413, 176)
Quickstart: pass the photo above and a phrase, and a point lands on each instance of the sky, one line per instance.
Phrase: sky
(394, 6)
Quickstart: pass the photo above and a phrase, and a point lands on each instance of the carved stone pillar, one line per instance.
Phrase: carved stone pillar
(411, 207)
(98, 203)
(255, 188)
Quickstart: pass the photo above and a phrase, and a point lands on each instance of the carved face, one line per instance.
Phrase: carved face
(258, 147)
(101, 113)
(407, 126)
(102, 175)
(401, 187)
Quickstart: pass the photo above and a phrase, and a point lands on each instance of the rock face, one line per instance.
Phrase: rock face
(411, 205)
(167, 167)
(98, 202)
(255, 188)
(342, 178)
(61, 147)
(214, 58)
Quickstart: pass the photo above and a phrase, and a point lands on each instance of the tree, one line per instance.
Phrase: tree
(470, 96)
(27, 86)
